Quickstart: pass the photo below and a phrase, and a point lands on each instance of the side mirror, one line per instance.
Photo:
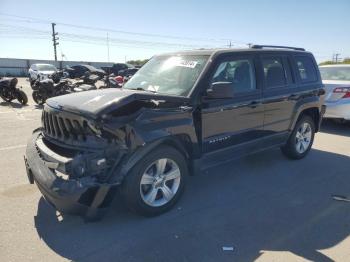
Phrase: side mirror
(220, 90)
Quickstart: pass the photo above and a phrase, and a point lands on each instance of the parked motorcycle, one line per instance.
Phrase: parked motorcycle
(58, 85)
(111, 81)
(87, 82)
(9, 91)
(42, 90)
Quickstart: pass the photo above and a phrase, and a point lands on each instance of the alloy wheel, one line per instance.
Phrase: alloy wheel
(160, 182)
(303, 138)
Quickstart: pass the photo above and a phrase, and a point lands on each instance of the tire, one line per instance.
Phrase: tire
(299, 143)
(32, 82)
(6, 99)
(22, 97)
(137, 190)
(38, 98)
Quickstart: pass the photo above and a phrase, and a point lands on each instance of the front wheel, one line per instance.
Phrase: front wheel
(156, 182)
(22, 97)
(32, 82)
(301, 139)
(39, 98)
(7, 99)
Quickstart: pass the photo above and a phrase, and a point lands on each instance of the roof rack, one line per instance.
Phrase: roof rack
(277, 46)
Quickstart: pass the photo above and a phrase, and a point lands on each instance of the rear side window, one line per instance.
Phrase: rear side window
(274, 72)
(306, 69)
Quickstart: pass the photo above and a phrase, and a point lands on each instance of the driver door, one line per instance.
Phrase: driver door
(230, 122)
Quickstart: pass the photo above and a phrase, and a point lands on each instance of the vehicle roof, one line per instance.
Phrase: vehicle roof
(216, 51)
(337, 65)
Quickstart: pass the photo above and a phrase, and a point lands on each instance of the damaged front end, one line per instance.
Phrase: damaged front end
(72, 161)
(88, 142)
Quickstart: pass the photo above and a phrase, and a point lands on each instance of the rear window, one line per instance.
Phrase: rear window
(306, 69)
(335, 73)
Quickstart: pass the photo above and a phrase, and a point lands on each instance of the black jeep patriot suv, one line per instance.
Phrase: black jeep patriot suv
(179, 113)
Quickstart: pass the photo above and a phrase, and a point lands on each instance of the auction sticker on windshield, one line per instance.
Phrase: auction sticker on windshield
(190, 64)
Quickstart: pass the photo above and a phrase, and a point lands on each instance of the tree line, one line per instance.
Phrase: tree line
(329, 62)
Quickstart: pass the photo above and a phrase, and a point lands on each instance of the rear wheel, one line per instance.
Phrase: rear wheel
(39, 98)
(301, 139)
(22, 97)
(156, 182)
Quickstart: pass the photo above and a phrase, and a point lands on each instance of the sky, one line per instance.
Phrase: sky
(117, 31)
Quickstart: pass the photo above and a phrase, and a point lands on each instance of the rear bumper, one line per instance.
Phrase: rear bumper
(84, 196)
(340, 109)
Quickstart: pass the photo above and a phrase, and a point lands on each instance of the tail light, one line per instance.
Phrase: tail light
(342, 90)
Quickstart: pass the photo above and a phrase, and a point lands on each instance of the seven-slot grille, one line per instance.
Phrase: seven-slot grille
(63, 127)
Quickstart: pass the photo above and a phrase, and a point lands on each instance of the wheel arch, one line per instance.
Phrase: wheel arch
(181, 142)
(312, 110)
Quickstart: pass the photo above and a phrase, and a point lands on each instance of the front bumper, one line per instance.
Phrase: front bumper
(339, 109)
(82, 196)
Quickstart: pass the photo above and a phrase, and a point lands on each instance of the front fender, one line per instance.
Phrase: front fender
(153, 128)
(131, 159)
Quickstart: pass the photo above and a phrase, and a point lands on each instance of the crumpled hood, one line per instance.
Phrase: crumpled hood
(98, 102)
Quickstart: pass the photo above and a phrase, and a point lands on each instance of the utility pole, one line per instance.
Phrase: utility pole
(54, 39)
(337, 58)
(107, 47)
(230, 44)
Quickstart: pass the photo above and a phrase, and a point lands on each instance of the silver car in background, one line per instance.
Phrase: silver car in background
(41, 71)
(336, 79)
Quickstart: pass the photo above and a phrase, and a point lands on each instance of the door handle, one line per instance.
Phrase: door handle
(254, 104)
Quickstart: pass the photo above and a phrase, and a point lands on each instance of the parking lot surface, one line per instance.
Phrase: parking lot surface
(267, 207)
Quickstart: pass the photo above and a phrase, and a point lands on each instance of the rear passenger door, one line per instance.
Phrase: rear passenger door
(279, 96)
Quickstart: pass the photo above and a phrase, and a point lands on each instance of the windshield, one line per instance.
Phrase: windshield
(171, 75)
(335, 73)
(46, 68)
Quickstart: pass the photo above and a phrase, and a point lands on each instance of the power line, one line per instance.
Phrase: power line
(36, 20)
(131, 42)
(15, 31)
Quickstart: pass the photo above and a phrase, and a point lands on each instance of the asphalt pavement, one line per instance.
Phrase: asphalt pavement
(263, 207)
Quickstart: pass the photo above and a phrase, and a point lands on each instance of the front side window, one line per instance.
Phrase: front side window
(274, 72)
(306, 69)
(171, 75)
(239, 72)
